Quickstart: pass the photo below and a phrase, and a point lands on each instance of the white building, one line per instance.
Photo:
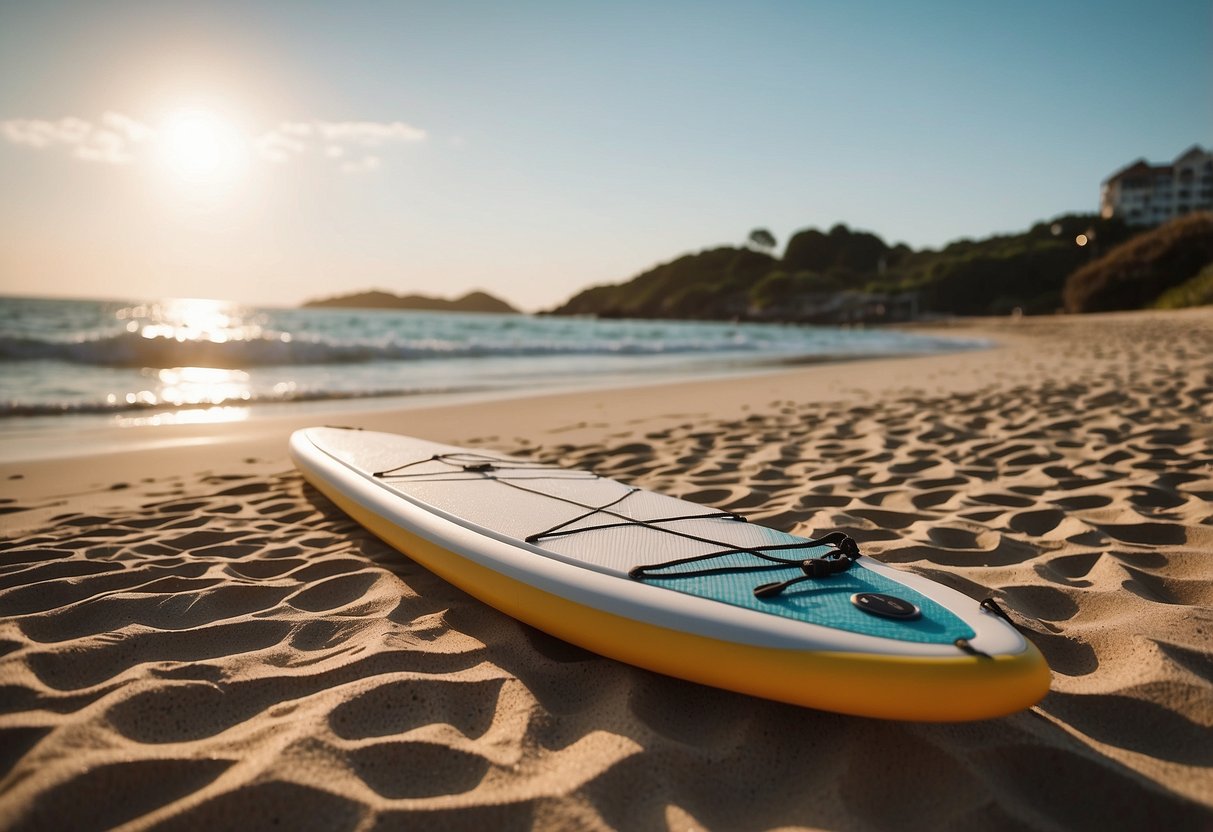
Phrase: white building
(1145, 194)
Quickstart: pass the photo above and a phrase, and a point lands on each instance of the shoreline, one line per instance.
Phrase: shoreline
(53, 454)
(194, 637)
(43, 425)
(181, 360)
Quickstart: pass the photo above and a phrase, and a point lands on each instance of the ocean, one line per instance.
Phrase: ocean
(199, 360)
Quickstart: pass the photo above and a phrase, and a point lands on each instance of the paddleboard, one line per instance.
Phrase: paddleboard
(677, 587)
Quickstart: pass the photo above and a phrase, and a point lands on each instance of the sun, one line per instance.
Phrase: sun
(201, 149)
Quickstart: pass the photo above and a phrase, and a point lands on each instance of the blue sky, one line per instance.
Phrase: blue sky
(533, 149)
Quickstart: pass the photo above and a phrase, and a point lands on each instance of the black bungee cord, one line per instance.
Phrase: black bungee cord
(844, 553)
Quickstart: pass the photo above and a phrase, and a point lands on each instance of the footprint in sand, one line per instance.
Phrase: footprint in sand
(395, 707)
(403, 769)
(1152, 534)
(117, 792)
(1080, 502)
(1036, 523)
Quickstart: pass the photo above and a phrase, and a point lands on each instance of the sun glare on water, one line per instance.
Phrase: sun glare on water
(201, 150)
(191, 378)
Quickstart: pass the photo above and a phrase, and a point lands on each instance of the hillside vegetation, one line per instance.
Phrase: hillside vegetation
(993, 276)
(712, 284)
(1138, 273)
(1196, 292)
(821, 269)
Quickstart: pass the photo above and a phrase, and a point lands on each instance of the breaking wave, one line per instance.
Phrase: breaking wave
(133, 349)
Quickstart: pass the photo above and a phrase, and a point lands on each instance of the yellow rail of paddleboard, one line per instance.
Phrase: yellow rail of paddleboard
(907, 688)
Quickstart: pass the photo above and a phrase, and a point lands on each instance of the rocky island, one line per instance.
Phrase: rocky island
(378, 299)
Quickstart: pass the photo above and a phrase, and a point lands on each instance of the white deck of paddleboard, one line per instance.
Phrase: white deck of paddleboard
(487, 520)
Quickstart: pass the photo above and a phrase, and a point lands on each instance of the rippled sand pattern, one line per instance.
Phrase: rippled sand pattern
(232, 652)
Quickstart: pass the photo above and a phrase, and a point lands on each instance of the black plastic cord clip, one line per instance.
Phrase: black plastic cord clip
(990, 605)
(812, 568)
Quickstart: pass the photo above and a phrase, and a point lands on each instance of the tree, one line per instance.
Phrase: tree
(762, 239)
(809, 250)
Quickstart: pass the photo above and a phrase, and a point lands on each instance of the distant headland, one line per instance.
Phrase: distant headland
(376, 299)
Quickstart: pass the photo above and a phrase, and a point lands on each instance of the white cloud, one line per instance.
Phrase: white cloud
(335, 140)
(112, 141)
(116, 139)
(104, 146)
(369, 133)
(278, 147)
(126, 126)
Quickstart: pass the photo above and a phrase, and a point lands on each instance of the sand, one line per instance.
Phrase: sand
(191, 638)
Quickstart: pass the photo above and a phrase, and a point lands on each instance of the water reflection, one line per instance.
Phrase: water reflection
(188, 387)
(189, 416)
(202, 385)
(195, 319)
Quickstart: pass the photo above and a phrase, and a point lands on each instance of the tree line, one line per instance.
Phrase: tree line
(1076, 263)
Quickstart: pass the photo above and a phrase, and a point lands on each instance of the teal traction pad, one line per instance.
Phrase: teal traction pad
(822, 601)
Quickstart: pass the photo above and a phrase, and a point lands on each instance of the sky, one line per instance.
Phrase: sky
(271, 152)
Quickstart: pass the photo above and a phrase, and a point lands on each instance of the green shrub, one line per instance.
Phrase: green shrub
(1196, 292)
(1134, 274)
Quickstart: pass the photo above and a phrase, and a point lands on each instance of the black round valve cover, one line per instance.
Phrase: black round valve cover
(886, 606)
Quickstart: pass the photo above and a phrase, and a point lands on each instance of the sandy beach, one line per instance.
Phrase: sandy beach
(192, 638)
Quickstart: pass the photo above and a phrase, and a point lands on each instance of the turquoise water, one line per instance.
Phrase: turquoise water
(60, 357)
